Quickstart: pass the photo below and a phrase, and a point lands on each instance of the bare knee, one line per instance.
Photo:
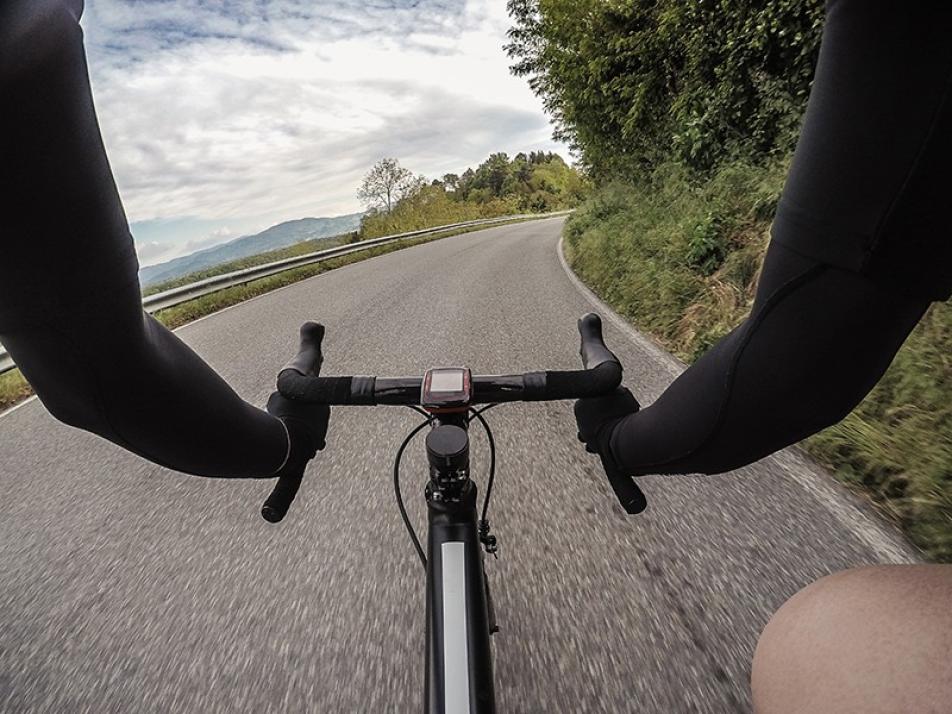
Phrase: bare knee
(872, 640)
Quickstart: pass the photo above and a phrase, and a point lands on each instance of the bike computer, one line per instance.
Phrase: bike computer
(447, 388)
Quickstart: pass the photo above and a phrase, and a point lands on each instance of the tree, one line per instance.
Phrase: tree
(496, 171)
(451, 182)
(386, 185)
(632, 84)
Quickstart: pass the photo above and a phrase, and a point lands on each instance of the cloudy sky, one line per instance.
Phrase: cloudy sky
(223, 118)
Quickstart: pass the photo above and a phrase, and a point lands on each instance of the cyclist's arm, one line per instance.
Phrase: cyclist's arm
(818, 339)
(860, 247)
(70, 311)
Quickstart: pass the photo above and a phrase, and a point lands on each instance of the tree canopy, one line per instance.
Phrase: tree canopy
(633, 83)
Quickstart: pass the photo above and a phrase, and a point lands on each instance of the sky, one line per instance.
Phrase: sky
(223, 118)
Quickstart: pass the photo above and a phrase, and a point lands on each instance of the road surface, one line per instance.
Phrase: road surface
(128, 588)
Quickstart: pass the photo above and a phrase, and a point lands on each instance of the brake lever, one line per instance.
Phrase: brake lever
(594, 354)
(276, 507)
(629, 494)
(307, 361)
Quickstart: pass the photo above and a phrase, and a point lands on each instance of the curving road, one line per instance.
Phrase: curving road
(128, 588)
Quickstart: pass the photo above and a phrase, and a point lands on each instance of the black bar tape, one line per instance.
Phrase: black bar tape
(324, 390)
(583, 384)
(593, 350)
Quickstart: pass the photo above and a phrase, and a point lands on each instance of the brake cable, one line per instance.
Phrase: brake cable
(420, 410)
(486, 538)
(477, 412)
(396, 487)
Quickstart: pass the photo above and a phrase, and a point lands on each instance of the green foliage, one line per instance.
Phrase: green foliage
(430, 206)
(633, 84)
(897, 444)
(676, 256)
(13, 388)
(643, 248)
(535, 183)
(706, 246)
(680, 110)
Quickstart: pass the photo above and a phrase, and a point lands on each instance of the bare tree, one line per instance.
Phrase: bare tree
(386, 185)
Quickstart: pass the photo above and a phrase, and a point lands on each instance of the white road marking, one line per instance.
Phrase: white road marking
(12, 409)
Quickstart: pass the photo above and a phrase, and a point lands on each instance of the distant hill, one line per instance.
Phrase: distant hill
(279, 236)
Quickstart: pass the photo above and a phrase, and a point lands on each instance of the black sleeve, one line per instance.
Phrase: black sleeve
(869, 184)
(861, 244)
(817, 340)
(70, 305)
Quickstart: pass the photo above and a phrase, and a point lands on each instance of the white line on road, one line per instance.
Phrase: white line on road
(12, 409)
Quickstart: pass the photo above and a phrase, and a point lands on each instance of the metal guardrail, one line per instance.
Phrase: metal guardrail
(179, 295)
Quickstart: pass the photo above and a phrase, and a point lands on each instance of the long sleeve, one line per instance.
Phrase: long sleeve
(99, 363)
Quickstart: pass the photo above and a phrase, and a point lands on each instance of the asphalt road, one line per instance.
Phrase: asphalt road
(128, 588)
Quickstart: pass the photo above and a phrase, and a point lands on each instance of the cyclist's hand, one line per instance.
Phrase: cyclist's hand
(307, 428)
(598, 417)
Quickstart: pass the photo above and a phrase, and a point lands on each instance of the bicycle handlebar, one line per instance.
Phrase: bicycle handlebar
(602, 374)
(299, 380)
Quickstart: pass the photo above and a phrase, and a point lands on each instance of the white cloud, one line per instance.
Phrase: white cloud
(151, 252)
(241, 112)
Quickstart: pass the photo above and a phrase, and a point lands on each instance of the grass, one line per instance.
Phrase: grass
(680, 260)
(897, 444)
(14, 388)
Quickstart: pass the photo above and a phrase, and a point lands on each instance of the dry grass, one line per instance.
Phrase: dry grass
(13, 389)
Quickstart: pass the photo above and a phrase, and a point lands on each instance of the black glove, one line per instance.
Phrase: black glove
(597, 418)
(307, 429)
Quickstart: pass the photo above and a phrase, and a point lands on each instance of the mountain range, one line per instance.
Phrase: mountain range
(273, 238)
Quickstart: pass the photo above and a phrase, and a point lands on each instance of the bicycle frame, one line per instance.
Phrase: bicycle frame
(459, 674)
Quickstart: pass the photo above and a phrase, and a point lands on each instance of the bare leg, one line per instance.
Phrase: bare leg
(875, 640)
